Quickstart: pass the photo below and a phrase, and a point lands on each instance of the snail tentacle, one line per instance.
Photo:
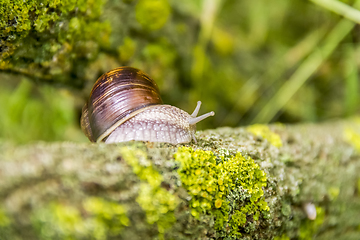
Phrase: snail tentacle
(195, 120)
(196, 111)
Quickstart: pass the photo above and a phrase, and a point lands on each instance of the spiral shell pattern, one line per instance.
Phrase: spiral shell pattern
(115, 96)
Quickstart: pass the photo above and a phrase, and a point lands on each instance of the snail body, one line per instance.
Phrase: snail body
(125, 105)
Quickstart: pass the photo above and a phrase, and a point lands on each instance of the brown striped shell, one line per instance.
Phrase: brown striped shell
(117, 96)
(125, 105)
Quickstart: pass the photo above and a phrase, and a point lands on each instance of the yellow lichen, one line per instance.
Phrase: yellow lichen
(352, 137)
(158, 204)
(264, 132)
(101, 218)
(103, 209)
(218, 203)
(216, 183)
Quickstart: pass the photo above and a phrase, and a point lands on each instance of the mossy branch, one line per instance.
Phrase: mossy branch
(260, 182)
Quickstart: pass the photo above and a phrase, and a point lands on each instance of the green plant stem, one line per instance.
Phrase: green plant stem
(210, 9)
(351, 97)
(340, 8)
(306, 69)
(292, 57)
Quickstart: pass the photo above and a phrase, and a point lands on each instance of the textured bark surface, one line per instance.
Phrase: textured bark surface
(45, 187)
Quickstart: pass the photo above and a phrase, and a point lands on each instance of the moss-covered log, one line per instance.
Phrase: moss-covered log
(71, 43)
(259, 182)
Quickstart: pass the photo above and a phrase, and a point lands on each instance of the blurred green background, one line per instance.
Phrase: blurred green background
(251, 62)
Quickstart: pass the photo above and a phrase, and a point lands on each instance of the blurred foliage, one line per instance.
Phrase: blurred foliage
(249, 61)
(31, 113)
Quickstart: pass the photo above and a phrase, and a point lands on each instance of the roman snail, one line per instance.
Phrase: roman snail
(125, 105)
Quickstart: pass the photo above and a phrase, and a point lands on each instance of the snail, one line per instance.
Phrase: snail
(125, 105)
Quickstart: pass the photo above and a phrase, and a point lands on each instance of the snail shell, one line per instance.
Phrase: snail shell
(125, 105)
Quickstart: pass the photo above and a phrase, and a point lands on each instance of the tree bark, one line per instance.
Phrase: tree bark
(96, 191)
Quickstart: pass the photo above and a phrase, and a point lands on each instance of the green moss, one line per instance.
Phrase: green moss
(264, 132)
(152, 14)
(4, 219)
(158, 204)
(282, 237)
(228, 188)
(286, 209)
(53, 33)
(20, 16)
(162, 53)
(309, 227)
(127, 50)
(100, 218)
(333, 192)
